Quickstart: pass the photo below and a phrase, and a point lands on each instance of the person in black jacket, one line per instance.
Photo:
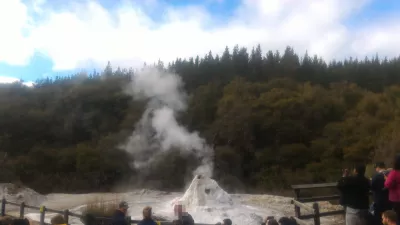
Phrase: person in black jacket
(380, 193)
(119, 217)
(355, 195)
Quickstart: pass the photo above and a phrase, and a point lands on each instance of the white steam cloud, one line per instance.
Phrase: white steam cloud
(158, 130)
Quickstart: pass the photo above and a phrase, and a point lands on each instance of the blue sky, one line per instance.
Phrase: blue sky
(57, 37)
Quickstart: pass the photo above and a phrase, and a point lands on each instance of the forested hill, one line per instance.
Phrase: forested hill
(274, 119)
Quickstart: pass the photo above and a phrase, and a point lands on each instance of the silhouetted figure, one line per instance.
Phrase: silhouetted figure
(119, 217)
(380, 193)
(147, 219)
(355, 195)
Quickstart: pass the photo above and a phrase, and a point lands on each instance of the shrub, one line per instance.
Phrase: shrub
(98, 207)
(58, 219)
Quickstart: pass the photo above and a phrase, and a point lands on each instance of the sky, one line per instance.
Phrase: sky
(48, 38)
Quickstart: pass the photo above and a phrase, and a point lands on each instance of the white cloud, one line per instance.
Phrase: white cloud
(10, 80)
(88, 33)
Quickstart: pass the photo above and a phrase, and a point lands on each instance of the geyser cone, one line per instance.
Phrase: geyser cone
(204, 191)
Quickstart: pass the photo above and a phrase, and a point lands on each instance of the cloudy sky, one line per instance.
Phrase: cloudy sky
(41, 38)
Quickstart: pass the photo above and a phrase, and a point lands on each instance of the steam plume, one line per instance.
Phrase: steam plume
(158, 130)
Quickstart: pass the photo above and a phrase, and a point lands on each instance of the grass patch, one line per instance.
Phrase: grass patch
(99, 207)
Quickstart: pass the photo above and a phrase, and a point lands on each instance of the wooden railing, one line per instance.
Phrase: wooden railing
(315, 214)
(66, 213)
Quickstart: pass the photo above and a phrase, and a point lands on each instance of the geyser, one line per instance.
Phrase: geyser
(158, 129)
(204, 191)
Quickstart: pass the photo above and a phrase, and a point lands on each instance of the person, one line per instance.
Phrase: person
(187, 219)
(119, 217)
(147, 220)
(391, 184)
(389, 217)
(20, 222)
(272, 222)
(287, 221)
(6, 220)
(380, 193)
(89, 219)
(355, 195)
(227, 221)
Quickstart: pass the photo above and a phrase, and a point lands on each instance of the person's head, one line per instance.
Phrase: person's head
(359, 170)
(396, 163)
(272, 222)
(379, 166)
(227, 222)
(389, 217)
(89, 219)
(20, 222)
(6, 220)
(123, 206)
(58, 219)
(286, 221)
(147, 212)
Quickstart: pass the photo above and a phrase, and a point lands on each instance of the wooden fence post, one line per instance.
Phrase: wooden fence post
(42, 214)
(22, 210)
(3, 206)
(317, 220)
(66, 215)
(296, 208)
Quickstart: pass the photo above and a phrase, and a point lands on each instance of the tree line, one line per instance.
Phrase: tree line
(273, 118)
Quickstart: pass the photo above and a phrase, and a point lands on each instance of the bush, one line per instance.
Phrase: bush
(100, 208)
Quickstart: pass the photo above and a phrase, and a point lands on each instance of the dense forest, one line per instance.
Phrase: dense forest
(273, 118)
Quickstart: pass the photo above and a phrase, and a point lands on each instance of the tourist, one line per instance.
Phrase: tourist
(147, 217)
(89, 219)
(187, 219)
(287, 221)
(380, 193)
(355, 195)
(6, 220)
(272, 222)
(389, 217)
(119, 217)
(391, 183)
(227, 222)
(20, 222)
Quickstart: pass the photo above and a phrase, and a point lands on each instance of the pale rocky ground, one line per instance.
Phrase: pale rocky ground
(247, 209)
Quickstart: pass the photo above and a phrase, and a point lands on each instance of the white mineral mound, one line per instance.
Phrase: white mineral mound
(19, 194)
(204, 191)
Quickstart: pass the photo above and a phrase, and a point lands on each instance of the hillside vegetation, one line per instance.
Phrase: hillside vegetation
(273, 118)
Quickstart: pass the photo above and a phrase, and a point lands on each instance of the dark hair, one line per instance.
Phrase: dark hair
(89, 219)
(272, 222)
(380, 165)
(227, 222)
(360, 169)
(396, 162)
(287, 221)
(390, 215)
(20, 222)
